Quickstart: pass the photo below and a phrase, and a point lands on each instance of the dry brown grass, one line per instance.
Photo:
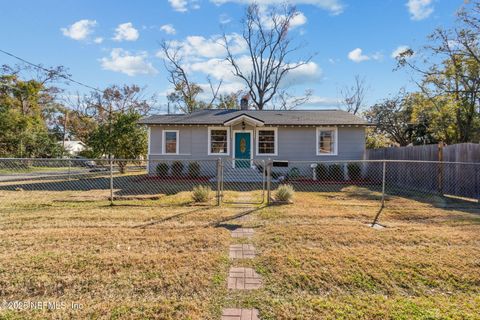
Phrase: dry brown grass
(321, 260)
(140, 259)
(163, 258)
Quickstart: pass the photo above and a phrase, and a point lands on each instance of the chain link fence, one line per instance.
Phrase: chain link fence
(171, 182)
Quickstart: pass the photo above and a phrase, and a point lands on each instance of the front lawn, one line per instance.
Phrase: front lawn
(167, 259)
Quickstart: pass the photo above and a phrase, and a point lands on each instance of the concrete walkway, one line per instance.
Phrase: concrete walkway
(240, 314)
(242, 251)
(242, 278)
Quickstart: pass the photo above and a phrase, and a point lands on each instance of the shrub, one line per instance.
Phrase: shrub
(177, 168)
(284, 193)
(194, 170)
(354, 171)
(294, 173)
(322, 171)
(201, 193)
(162, 169)
(335, 171)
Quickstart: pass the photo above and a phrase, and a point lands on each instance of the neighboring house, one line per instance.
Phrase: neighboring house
(298, 135)
(72, 147)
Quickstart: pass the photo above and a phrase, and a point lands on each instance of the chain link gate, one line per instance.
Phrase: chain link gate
(241, 181)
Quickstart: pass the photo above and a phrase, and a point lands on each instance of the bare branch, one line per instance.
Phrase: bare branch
(269, 47)
(353, 97)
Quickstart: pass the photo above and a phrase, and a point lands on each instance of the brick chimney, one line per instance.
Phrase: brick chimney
(244, 102)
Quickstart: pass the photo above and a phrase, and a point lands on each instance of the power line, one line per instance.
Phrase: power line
(68, 78)
(49, 70)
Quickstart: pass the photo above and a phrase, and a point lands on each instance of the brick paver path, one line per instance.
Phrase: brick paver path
(242, 251)
(240, 314)
(242, 233)
(243, 279)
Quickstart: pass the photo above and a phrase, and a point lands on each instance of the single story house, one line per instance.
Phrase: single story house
(72, 147)
(297, 135)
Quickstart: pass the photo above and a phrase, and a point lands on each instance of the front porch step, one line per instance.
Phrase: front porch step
(241, 175)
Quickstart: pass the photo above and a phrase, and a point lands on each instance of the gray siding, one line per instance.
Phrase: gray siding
(294, 143)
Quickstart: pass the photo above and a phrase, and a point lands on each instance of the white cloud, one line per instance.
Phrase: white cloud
(357, 55)
(79, 30)
(298, 20)
(184, 5)
(419, 9)
(168, 29)
(333, 6)
(398, 51)
(316, 101)
(220, 69)
(204, 56)
(306, 73)
(123, 61)
(126, 31)
(195, 48)
(225, 88)
(98, 40)
(179, 5)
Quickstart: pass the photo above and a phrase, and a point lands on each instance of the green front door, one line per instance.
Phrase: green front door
(242, 149)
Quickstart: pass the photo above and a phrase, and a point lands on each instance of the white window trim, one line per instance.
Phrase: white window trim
(257, 141)
(164, 133)
(210, 138)
(335, 141)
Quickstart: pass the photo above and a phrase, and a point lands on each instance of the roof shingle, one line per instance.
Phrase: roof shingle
(269, 117)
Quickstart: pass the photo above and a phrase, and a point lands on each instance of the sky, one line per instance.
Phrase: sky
(118, 42)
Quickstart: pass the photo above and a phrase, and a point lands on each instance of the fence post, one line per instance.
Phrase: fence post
(440, 168)
(383, 182)
(269, 182)
(222, 179)
(264, 173)
(111, 182)
(219, 181)
(69, 169)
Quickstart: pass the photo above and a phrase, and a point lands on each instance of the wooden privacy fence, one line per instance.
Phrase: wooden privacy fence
(447, 170)
(462, 152)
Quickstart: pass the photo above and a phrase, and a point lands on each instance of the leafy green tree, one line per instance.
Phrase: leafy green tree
(123, 138)
(375, 139)
(109, 121)
(436, 116)
(24, 106)
(228, 101)
(185, 97)
(399, 121)
(450, 69)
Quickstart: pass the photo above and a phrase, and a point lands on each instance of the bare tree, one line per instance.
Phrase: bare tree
(115, 99)
(266, 35)
(185, 92)
(455, 69)
(353, 97)
(468, 35)
(287, 101)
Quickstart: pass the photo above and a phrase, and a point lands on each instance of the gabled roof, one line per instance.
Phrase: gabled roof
(268, 117)
(244, 117)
